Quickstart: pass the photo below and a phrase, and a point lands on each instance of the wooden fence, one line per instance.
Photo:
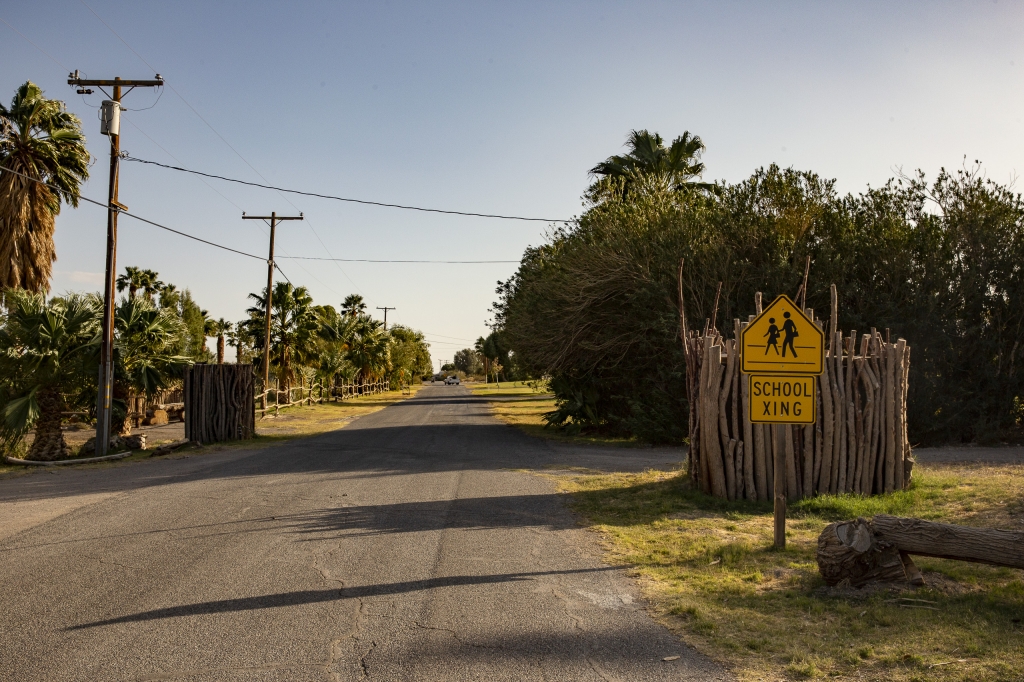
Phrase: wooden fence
(316, 394)
(219, 403)
(858, 445)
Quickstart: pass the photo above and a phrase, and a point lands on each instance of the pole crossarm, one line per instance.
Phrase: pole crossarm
(385, 309)
(117, 81)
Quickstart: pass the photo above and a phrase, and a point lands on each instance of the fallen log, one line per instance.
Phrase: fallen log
(862, 551)
(946, 541)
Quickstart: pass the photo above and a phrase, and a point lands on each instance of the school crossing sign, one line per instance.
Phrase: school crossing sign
(783, 351)
(782, 340)
(782, 399)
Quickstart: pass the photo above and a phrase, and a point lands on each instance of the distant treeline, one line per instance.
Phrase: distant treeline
(939, 264)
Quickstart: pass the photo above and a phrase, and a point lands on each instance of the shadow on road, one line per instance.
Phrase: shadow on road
(270, 601)
(395, 440)
(513, 511)
(482, 513)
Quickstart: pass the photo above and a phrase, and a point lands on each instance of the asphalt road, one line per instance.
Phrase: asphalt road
(402, 547)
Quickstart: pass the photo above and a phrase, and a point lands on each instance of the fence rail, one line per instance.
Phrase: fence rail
(316, 394)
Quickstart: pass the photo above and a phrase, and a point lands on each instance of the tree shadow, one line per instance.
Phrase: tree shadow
(474, 513)
(302, 597)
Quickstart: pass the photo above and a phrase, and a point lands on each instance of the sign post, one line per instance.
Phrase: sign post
(783, 353)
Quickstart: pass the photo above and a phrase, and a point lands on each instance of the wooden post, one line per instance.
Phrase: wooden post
(780, 486)
(711, 441)
(899, 482)
(826, 421)
(753, 480)
(792, 482)
(890, 417)
(851, 414)
(728, 446)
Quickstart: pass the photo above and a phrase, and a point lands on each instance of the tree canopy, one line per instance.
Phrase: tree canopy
(937, 263)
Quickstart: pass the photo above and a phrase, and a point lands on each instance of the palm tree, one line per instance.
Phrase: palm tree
(170, 297)
(150, 284)
(239, 338)
(370, 349)
(132, 280)
(676, 165)
(145, 360)
(219, 328)
(481, 347)
(353, 305)
(295, 326)
(49, 353)
(41, 140)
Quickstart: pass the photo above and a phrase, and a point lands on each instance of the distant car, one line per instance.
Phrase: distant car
(452, 381)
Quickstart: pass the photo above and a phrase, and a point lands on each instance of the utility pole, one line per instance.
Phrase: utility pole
(385, 309)
(110, 126)
(273, 218)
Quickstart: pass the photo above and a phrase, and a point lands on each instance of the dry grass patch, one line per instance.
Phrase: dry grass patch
(707, 568)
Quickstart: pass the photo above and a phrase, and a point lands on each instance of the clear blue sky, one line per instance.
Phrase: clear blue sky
(488, 107)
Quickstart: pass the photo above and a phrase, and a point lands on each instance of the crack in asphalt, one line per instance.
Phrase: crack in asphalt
(334, 652)
(455, 635)
(601, 672)
(110, 562)
(362, 659)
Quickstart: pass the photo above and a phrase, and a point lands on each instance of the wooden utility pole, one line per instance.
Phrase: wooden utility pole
(273, 218)
(385, 309)
(779, 467)
(106, 376)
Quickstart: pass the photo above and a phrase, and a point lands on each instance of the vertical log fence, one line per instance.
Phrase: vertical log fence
(858, 445)
(219, 402)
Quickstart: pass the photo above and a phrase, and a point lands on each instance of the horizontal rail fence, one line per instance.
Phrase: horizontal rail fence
(219, 403)
(317, 393)
(858, 445)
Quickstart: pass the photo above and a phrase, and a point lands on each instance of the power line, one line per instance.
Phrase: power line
(52, 58)
(373, 260)
(229, 145)
(137, 217)
(345, 199)
(457, 338)
(276, 265)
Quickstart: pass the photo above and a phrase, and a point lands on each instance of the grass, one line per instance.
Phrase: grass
(523, 404)
(707, 568)
(290, 423)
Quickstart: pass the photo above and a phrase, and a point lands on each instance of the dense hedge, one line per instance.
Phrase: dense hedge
(938, 264)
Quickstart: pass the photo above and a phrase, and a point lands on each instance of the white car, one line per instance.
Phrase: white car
(452, 381)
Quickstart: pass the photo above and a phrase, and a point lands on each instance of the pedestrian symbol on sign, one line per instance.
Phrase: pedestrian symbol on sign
(782, 340)
(789, 329)
(773, 337)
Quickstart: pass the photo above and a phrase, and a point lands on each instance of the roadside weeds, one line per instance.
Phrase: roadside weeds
(707, 569)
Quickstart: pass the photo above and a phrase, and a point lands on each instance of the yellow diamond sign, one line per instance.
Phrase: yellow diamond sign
(782, 340)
